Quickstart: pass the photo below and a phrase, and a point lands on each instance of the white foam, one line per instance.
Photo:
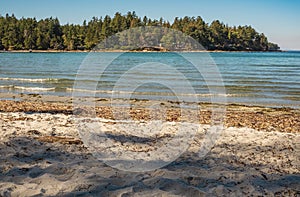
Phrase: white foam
(29, 80)
(11, 87)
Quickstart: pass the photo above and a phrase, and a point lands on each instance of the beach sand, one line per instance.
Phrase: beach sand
(42, 154)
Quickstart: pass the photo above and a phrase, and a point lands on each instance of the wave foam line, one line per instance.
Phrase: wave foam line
(29, 80)
(11, 87)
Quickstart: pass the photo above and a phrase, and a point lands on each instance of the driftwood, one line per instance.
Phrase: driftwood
(59, 139)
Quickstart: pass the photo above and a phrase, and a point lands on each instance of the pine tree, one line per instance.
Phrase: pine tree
(28, 33)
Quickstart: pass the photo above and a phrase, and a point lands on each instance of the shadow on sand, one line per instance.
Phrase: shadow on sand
(40, 168)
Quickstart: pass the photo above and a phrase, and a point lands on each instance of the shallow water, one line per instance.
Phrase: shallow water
(256, 78)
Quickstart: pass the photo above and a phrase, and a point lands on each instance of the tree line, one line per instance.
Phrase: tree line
(49, 34)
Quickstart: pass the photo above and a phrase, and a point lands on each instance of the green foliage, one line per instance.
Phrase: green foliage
(28, 33)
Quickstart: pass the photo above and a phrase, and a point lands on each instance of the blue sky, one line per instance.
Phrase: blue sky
(278, 19)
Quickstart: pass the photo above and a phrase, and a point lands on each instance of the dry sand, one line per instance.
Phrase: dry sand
(42, 155)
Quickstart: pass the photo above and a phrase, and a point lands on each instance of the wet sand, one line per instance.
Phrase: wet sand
(42, 153)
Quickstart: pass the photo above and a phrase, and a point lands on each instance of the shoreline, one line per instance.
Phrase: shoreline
(58, 99)
(237, 115)
(130, 51)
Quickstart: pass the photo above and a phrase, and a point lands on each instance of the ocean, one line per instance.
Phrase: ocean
(253, 78)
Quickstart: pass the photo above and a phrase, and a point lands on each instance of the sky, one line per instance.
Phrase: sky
(277, 19)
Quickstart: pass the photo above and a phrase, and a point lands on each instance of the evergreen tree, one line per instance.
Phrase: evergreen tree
(28, 33)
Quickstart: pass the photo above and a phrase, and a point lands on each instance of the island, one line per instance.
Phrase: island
(31, 35)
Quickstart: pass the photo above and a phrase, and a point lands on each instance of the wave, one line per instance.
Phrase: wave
(148, 93)
(34, 89)
(29, 80)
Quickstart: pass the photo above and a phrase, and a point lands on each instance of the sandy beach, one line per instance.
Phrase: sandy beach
(108, 99)
(42, 154)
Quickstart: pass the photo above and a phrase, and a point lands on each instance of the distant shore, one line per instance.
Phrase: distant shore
(124, 51)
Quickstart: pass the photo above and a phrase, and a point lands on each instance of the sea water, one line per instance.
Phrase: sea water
(252, 78)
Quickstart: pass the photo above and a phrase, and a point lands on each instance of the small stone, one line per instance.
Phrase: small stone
(219, 190)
